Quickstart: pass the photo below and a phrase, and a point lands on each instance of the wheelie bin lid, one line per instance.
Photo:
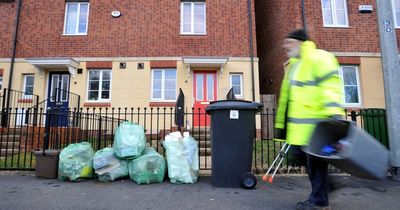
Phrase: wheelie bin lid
(233, 104)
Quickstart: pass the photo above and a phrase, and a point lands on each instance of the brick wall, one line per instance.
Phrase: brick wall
(145, 29)
(7, 27)
(275, 18)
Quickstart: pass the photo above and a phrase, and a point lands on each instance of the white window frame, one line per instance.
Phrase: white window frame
(76, 32)
(1, 83)
(358, 86)
(334, 18)
(396, 22)
(162, 98)
(26, 96)
(100, 85)
(241, 84)
(192, 19)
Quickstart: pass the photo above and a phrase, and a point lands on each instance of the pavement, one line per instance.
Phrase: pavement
(23, 190)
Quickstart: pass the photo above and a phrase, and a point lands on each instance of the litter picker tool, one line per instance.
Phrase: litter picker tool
(277, 162)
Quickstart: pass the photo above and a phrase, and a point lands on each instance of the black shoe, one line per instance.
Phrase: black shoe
(307, 205)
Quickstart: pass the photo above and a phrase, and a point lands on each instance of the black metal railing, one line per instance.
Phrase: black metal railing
(19, 100)
(43, 129)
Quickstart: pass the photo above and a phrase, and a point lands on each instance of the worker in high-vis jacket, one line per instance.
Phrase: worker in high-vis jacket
(310, 93)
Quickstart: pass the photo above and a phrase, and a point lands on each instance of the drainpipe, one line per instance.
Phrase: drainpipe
(303, 15)
(14, 49)
(251, 47)
(4, 117)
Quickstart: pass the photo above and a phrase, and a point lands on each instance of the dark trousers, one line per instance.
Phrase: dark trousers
(317, 170)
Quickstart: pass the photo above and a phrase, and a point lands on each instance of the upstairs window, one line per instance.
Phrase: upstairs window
(335, 13)
(163, 85)
(351, 85)
(396, 12)
(193, 17)
(99, 87)
(237, 85)
(76, 18)
(1, 83)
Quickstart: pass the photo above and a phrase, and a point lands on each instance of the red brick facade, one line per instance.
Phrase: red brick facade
(275, 18)
(145, 29)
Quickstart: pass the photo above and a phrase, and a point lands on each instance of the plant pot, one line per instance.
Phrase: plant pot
(47, 163)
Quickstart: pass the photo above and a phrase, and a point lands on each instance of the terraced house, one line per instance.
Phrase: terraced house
(347, 28)
(124, 54)
(125, 58)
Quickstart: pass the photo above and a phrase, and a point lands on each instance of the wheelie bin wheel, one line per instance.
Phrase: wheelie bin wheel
(248, 181)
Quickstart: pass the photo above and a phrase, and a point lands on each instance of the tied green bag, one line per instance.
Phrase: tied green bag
(108, 167)
(148, 168)
(130, 140)
(182, 159)
(76, 162)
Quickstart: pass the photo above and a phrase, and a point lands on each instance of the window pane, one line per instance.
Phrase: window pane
(156, 94)
(72, 11)
(94, 85)
(199, 87)
(341, 17)
(105, 94)
(157, 74)
(351, 94)
(327, 17)
(83, 18)
(54, 85)
(187, 8)
(187, 28)
(326, 4)
(199, 8)
(29, 90)
(93, 95)
(94, 75)
(199, 18)
(170, 74)
(349, 76)
(339, 4)
(187, 18)
(236, 84)
(29, 80)
(105, 85)
(106, 75)
(396, 4)
(398, 18)
(210, 87)
(199, 28)
(169, 95)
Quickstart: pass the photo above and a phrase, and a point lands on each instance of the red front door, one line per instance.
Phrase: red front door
(205, 91)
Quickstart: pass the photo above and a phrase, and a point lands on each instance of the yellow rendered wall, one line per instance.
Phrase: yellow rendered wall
(131, 87)
(371, 82)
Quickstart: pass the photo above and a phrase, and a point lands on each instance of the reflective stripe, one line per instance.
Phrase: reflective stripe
(333, 104)
(316, 82)
(301, 84)
(305, 120)
(321, 79)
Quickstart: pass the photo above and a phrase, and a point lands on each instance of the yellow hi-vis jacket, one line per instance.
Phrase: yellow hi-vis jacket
(311, 92)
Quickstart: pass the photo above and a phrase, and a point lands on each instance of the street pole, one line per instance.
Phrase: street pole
(391, 78)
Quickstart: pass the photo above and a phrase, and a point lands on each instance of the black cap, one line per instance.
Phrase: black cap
(299, 34)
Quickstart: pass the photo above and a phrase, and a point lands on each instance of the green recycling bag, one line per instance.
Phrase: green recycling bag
(108, 167)
(76, 162)
(182, 159)
(130, 140)
(148, 168)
